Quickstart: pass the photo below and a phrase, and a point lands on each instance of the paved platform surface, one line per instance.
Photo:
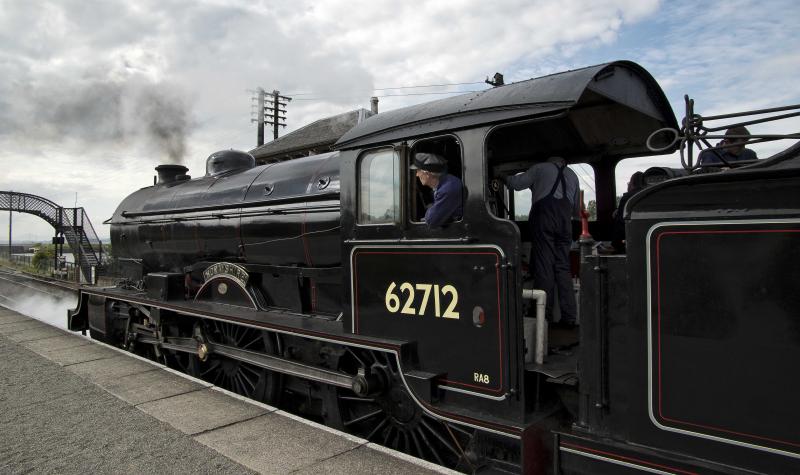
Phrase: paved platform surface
(71, 405)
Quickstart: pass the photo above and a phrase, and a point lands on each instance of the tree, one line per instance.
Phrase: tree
(43, 255)
(591, 208)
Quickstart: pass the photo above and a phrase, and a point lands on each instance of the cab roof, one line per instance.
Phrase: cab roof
(622, 87)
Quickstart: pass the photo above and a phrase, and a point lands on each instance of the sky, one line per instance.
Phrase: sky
(95, 93)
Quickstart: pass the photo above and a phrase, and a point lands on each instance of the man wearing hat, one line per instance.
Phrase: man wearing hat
(431, 170)
(734, 151)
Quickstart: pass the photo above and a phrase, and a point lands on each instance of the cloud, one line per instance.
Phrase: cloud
(730, 57)
(730, 54)
(79, 68)
(411, 42)
(108, 89)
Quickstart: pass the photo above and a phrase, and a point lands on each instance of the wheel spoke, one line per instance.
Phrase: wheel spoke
(416, 443)
(360, 361)
(364, 417)
(386, 436)
(388, 362)
(234, 383)
(244, 388)
(441, 439)
(255, 372)
(396, 441)
(213, 365)
(430, 446)
(462, 455)
(377, 428)
(243, 384)
(253, 341)
(231, 332)
(218, 378)
(249, 380)
(245, 335)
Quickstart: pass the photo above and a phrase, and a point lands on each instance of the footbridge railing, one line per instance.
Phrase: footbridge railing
(71, 223)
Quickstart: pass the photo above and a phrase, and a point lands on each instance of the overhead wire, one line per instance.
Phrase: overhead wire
(392, 95)
(399, 87)
(584, 180)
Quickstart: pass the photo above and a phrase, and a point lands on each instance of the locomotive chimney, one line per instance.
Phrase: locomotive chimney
(374, 104)
(170, 173)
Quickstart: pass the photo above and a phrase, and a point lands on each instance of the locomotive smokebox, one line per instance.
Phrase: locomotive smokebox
(170, 173)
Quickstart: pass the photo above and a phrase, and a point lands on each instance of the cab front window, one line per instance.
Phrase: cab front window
(379, 187)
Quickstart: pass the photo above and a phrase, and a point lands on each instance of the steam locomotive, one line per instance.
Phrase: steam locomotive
(313, 284)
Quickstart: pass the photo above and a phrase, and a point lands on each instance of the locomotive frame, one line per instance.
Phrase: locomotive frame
(293, 283)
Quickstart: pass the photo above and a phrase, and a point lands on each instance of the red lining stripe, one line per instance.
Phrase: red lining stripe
(499, 312)
(658, 303)
(623, 458)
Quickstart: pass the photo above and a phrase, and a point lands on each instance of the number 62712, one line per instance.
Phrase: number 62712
(422, 295)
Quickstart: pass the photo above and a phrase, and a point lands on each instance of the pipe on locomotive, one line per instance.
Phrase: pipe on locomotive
(540, 297)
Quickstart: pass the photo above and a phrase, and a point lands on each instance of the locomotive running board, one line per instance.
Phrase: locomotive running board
(281, 322)
(262, 360)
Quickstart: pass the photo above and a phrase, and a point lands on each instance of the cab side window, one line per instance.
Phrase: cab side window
(379, 187)
(421, 197)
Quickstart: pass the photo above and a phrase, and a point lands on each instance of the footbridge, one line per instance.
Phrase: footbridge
(71, 225)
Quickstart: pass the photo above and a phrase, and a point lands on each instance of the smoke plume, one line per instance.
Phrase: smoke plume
(165, 121)
(99, 112)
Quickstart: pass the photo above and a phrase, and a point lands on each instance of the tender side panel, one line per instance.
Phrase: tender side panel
(724, 333)
(582, 456)
(448, 300)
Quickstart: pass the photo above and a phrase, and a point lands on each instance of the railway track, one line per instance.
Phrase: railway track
(9, 274)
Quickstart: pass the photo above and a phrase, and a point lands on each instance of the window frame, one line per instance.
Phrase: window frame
(510, 192)
(412, 179)
(400, 206)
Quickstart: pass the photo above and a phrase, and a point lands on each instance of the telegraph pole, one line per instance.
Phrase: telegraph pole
(258, 109)
(260, 117)
(268, 110)
(10, 205)
(275, 110)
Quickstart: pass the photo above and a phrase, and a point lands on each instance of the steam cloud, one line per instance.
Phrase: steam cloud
(47, 308)
(99, 112)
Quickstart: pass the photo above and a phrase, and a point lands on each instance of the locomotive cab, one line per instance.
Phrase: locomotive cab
(456, 291)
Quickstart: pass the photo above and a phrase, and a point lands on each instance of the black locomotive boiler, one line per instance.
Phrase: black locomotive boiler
(313, 284)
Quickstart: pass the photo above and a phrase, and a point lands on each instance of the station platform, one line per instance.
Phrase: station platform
(69, 404)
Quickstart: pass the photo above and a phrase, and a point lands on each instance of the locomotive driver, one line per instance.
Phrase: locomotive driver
(554, 198)
(431, 170)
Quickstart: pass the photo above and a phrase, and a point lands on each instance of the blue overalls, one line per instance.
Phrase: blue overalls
(551, 229)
